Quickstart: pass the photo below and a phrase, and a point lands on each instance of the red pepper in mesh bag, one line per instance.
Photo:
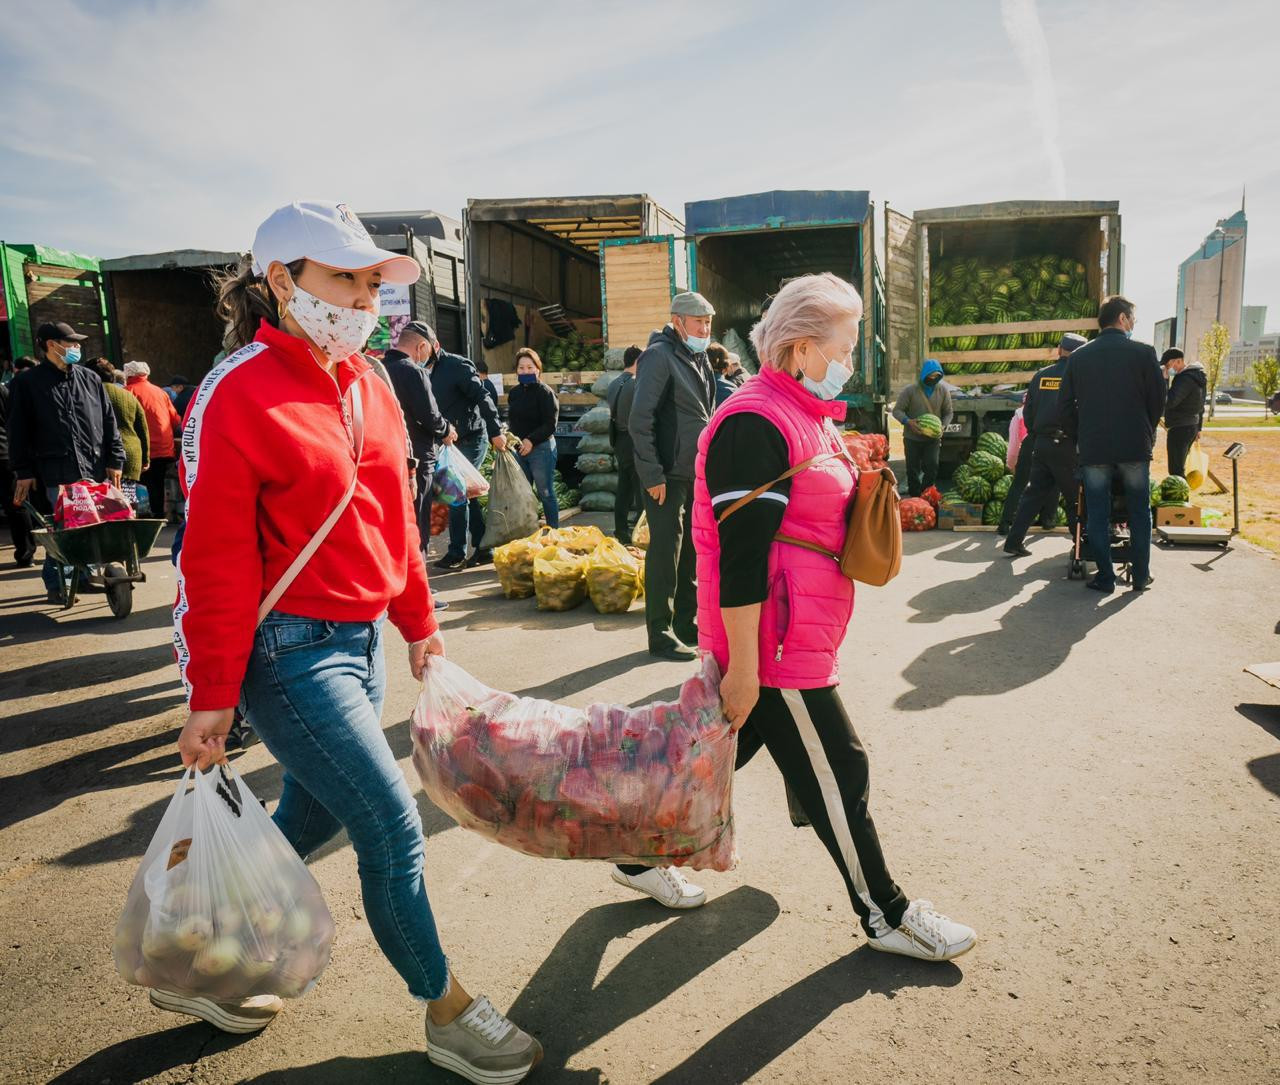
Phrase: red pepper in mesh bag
(640, 785)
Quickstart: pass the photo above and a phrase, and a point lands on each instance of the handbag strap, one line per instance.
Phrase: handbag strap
(305, 555)
(747, 499)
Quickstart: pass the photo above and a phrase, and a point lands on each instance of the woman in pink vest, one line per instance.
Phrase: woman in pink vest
(774, 614)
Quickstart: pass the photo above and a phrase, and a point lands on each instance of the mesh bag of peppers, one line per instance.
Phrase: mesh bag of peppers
(648, 785)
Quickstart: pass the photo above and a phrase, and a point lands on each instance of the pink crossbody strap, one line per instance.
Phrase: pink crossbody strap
(322, 532)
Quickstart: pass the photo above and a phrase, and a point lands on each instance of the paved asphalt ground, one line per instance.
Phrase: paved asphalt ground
(1093, 784)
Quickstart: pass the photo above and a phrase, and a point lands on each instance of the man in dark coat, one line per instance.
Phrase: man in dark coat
(1111, 398)
(1184, 408)
(62, 427)
(674, 398)
(461, 398)
(1053, 453)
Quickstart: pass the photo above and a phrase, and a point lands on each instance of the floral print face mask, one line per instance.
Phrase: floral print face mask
(336, 330)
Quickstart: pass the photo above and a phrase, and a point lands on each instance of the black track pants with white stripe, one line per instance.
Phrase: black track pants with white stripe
(811, 739)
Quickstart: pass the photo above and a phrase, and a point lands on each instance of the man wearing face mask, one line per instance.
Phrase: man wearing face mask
(927, 396)
(674, 398)
(460, 395)
(428, 428)
(1111, 398)
(62, 427)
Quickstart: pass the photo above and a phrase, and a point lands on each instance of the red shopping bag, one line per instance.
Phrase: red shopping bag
(83, 503)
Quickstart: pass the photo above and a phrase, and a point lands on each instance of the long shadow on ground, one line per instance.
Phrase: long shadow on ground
(1035, 637)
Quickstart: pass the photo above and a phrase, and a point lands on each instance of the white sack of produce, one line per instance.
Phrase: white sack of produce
(595, 420)
(615, 360)
(602, 382)
(594, 442)
(600, 501)
(222, 907)
(513, 508)
(596, 463)
(605, 482)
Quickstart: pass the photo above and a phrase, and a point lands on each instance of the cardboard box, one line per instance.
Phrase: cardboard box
(1178, 516)
(959, 514)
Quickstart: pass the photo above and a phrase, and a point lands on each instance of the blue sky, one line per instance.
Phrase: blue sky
(181, 124)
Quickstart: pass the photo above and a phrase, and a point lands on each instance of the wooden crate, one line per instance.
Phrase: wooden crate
(1039, 357)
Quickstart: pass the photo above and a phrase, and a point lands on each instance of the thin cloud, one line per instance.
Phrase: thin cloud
(1026, 35)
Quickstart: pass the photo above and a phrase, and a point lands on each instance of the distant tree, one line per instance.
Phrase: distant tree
(1215, 345)
(1264, 375)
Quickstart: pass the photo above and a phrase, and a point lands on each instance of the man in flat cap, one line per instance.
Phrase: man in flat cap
(1053, 462)
(674, 398)
(62, 427)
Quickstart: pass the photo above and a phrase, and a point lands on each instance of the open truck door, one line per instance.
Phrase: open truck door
(638, 278)
(902, 295)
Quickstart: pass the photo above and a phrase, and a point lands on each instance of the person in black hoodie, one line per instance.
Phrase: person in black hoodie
(1184, 407)
(532, 413)
(428, 429)
(1110, 399)
(461, 398)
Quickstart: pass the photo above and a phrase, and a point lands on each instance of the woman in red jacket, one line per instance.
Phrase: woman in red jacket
(287, 437)
(163, 421)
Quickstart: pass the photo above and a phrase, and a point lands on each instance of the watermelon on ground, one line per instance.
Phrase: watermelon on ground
(987, 466)
(975, 490)
(1001, 489)
(991, 513)
(993, 443)
(1155, 492)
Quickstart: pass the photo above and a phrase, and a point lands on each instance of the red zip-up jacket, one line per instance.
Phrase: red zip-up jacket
(266, 456)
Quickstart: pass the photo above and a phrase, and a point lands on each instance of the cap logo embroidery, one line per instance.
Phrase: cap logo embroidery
(348, 216)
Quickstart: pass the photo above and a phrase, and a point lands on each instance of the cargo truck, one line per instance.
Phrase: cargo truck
(590, 274)
(988, 290)
(162, 306)
(47, 285)
(743, 249)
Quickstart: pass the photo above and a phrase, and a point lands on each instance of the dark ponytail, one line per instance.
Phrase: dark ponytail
(244, 300)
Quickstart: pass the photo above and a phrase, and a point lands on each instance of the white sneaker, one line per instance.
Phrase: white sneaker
(926, 934)
(666, 885)
(243, 1016)
(483, 1046)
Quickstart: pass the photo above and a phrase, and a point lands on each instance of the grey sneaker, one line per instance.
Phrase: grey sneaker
(246, 1015)
(483, 1046)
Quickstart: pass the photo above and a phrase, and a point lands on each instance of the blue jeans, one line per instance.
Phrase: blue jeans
(313, 691)
(474, 448)
(49, 570)
(540, 469)
(1135, 477)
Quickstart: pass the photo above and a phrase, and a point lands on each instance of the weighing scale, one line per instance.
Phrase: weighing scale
(1211, 536)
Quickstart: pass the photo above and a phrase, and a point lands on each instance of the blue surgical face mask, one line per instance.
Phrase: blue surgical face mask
(697, 343)
(527, 378)
(833, 382)
(72, 355)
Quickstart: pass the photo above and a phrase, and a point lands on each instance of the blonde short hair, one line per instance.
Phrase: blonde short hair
(806, 308)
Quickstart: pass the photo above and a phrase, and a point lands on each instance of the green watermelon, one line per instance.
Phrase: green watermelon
(991, 512)
(1012, 341)
(952, 497)
(1001, 489)
(1061, 520)
(1174, 489)
(959, 475)
(966, 342)
(975, 490)
(970, 314)
(989, 342)
(987, 466)
(1062, 281)
(930, 425)
(994, 444)
(952, 368)
(1155, 492)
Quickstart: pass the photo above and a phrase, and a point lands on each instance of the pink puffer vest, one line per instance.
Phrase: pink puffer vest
(804, 618)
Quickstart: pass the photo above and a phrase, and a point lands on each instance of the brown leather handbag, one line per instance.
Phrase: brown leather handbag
(872, 550)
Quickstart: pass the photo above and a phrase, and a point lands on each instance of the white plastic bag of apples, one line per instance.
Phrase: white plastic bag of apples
(222, 906)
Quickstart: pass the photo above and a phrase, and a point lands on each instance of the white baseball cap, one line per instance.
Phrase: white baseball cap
(330, 234)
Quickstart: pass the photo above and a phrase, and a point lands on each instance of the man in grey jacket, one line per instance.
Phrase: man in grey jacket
(674, 398)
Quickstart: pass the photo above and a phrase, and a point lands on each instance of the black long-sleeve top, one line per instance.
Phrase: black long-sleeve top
(747, 451)
(532, 412)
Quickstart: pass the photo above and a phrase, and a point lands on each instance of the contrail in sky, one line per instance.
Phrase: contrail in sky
(1026, 35)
